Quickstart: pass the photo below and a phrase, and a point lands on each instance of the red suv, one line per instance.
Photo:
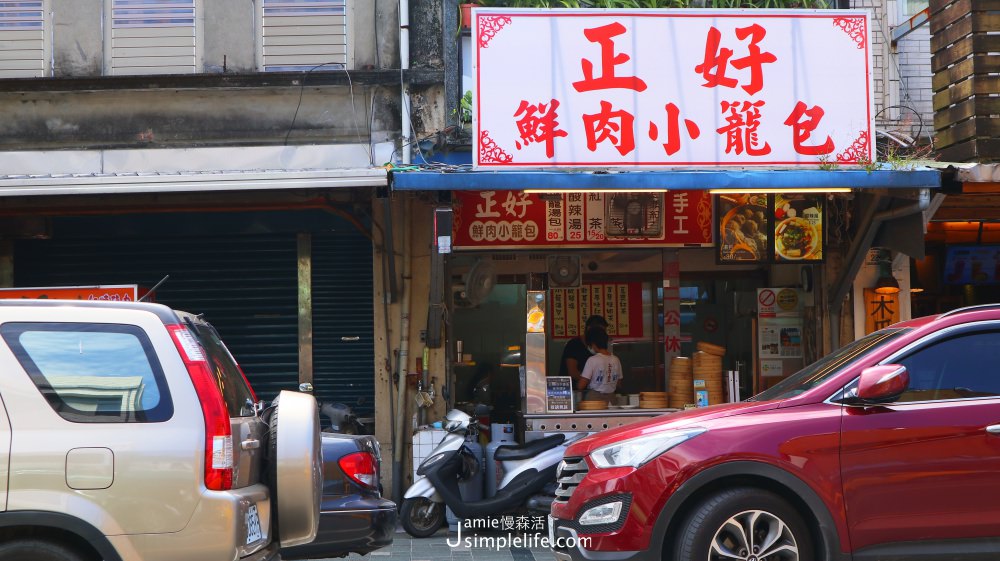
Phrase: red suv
(887, 449)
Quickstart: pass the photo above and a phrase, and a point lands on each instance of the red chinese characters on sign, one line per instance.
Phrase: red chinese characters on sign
(619, 303)
(713, 68)
(515, 219)
(604, 36)
(624, 88)
(804, 121)
(741, 128)
(538, 123)
(612, 126)
(673, 143)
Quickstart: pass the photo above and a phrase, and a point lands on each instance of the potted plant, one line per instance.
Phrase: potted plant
(466, 9)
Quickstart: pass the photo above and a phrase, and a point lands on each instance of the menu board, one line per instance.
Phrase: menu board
(798, 228)
(972, 264)
(521, 220)
(620, 304)
(558, 394)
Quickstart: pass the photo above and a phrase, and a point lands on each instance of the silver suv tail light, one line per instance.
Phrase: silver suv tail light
(218, 433)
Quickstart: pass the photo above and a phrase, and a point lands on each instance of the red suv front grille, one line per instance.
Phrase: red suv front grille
(571, 473)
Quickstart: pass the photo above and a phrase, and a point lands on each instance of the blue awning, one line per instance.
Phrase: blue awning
(438, 180)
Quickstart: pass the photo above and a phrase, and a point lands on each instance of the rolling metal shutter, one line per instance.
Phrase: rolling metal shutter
(153, 37)
(245, 286)
(303, 34)
(23, 45)
(343, 320)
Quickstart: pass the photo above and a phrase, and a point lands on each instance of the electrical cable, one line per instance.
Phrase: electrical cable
(302, 89)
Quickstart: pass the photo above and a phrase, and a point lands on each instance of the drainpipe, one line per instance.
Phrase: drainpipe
(859, 248)
(402, 360)
(404, 65)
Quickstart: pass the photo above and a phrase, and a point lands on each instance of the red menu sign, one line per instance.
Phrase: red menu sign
(619, 303)
(519, 220)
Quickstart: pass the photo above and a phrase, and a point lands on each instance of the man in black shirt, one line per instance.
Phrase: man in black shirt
(575, 353)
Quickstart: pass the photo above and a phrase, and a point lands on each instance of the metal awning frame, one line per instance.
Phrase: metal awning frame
(103, 184)
(438, 180)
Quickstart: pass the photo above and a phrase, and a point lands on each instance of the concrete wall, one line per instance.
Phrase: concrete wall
(374, 33)
(230, 36)
(151, 114)
(211, 116)
(78, 37)
(387, 336)
(230, 42)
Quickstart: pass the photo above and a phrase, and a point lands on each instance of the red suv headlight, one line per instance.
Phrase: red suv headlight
(637, 451)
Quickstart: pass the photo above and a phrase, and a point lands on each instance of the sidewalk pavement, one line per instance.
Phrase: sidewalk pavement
(437, 548)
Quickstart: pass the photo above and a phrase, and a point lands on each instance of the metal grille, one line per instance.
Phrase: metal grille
(571, 473)
(343, 320)
(153, 37)
(22, 39)
(245, 285)
(304, 34)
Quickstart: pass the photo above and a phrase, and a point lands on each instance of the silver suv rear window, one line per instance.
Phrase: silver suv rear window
(233, 385)
(92, 372)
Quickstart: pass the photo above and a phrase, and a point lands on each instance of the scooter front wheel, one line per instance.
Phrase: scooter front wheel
(421, 516)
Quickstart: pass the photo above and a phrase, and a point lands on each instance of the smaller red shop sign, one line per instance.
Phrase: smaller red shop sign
(113, 293)
(519, 220)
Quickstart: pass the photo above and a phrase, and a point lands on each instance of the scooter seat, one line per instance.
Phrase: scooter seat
(511, 452)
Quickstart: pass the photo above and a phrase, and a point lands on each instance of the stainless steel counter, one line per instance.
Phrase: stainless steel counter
(589, 420)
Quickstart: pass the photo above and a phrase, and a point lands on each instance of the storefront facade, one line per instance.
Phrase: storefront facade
(281, 262)
(739, 240)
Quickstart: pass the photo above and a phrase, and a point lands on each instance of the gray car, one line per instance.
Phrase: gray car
(129, 433)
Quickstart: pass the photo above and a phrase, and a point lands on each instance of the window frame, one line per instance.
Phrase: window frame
(933, 339)
(901, 13)
(163, 411)
(47, 39)
(109, 28)
(349, 19)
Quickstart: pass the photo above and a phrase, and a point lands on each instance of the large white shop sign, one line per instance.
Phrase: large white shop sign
(654, 88)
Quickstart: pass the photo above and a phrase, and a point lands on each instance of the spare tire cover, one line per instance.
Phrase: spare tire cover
(297, 467)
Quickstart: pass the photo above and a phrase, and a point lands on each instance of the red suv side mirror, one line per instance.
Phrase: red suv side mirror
(881, 384)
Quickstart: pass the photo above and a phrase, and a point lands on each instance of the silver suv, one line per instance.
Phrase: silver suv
(129, 433)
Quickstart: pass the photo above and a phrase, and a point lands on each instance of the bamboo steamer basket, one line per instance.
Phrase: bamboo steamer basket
(711, 349)
(681, 375)
(592, 405)
(707, 373)
(702, 359)
(653, 396)
(662, 404)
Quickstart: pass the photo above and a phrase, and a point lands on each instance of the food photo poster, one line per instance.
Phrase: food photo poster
(778, 228)
(798, 228)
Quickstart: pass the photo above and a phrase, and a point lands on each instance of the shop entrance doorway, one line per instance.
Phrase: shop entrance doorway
(718, 309)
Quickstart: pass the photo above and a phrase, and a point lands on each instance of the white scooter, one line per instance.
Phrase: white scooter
(528, 469)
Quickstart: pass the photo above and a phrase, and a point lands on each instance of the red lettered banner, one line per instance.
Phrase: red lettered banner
(519, 220)
(114, 293)
(619, 303)
(656, 88)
